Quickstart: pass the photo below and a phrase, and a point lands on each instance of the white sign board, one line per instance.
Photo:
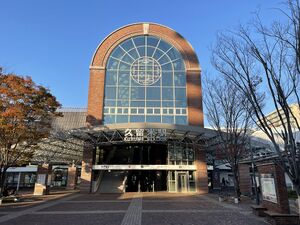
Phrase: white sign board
(144, 167)
(145, 134)
(268, 188)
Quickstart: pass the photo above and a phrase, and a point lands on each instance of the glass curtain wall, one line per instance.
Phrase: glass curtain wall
(145, 82)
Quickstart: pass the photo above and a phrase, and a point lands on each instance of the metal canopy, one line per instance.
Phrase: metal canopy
(115, 134)
(66, 146)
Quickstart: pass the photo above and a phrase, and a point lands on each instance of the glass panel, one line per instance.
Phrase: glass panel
(153, 119)
(118, 52)
(149, 111)
(167, 93)
(119, 111)
(137, 103)
(140, 40)
(156, 111)
(178, 65)
(138, 93)
(125, 111)
(168, 119)
(141, 51)
(191, 154)
(112, 64)
(137, 119)
(123, 78)
(121, 119)
(180, 103)
(167, 103)
(164, 46)
(153, 93)
(167, 67)
(133, 111)
(167, 79)
(127, 59)
(105, 110)
(171, 154)
(123, 103)
(111, 78)
(158, 54)
(164, 59)
(110, 92)
(192, 186)
(174, 54)
(123, 93)
(150, 51)
(109, 102)
(181, 120)
(124, 66)
(109, 119)
(180, 93)
(127, 45)
(134, 53)
(180, 79)
(172, 186)
(152, 41)
(153, 103)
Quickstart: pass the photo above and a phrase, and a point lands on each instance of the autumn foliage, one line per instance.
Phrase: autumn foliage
(26, 110)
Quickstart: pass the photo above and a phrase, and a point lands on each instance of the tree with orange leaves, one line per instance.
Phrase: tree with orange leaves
(26, 110)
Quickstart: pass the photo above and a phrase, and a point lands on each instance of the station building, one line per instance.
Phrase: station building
(144, 115)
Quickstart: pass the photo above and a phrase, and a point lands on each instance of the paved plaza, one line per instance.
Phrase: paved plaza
(130, 209)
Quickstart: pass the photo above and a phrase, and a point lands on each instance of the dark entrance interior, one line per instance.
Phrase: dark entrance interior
(146, 154)
(137, 154)
(146, 180)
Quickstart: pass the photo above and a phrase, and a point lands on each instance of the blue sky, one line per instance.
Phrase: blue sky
(53, 41)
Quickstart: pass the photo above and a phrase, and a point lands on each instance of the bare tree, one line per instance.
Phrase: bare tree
(229, 114)
(263, 63)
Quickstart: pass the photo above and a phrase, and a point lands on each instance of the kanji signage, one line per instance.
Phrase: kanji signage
(150, 134)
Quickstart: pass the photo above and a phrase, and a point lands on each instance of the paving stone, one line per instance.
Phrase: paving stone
(198, 219)
(86, 206)
(82, 219)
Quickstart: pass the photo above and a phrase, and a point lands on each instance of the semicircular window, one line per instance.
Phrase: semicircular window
(145, 82)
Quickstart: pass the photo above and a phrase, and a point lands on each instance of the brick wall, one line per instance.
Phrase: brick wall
(282, 196)
(245, 179)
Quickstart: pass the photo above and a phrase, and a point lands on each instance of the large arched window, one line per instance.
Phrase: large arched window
(145, 82)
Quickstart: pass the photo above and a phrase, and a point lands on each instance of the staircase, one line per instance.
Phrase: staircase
(113, 182)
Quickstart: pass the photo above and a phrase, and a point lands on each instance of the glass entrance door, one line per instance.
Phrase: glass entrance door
(182, 182)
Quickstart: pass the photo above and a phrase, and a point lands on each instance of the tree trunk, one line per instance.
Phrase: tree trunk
(236, 184)
(298, 193)
(2, 181)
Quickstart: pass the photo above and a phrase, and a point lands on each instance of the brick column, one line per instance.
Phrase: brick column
(274, 171)
(72, 177)
(96, 96)
(43, 181)
(201, 171)
(86, 168)
(194, 97)
(245, 179)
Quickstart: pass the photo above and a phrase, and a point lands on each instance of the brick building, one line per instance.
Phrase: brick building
(144, 118)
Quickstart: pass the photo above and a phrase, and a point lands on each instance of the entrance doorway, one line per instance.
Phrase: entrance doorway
(146, 181)
(182, 182)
